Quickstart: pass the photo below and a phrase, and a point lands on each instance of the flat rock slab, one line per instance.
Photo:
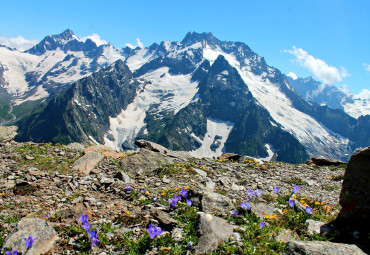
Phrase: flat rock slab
(88, 162)
(261, 209)
(150, 146)
(7, 134)
(145, 161)
(213, 202)
(37, 228)
(319, 247)
(75, 147)
(326, 162)
(213, 230)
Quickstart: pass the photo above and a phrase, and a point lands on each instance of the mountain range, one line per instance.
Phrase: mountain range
(200, 95)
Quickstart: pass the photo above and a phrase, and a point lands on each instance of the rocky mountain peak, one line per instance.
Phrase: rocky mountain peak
(67, 34)
(193, 37)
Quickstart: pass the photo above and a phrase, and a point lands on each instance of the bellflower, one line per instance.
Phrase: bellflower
(246, 205)
(128, 188)
(29, 242)
(259, 192)
(250, 193)
(154, 231)
(234, 212)
(291, 203)
(296, 189)
(189, 202)
(184, 193)
(15, 252)
(308, 209)
(190, 244)
(262, 224)
(276, 190)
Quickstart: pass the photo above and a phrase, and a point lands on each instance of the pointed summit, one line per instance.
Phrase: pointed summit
(194, 37)
(67, 34)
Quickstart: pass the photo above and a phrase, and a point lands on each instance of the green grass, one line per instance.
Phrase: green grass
(297, 181)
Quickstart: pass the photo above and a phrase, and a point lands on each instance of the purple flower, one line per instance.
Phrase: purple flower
(15, 252)
(86, 226)
(259, 192)
(190, 244)
(177, 198)
(154, 231)
(83, 218)
(234, 212)
(47, 215)
(184, 193)
(94, 241)
(276, 190)
(250, 193)
(189, 202)
(128, 188)
(174, 200)
(143, 191)
(29, 241)
(246, 205)
(262, 224)
(291, 203)
(308, 209)
(296, 188)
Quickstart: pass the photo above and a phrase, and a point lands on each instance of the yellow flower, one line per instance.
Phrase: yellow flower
(273, 216)
(147, 193)
(317, 203)
(127, 212)
(312, 202)
(163, 194)
(294, 196)
(187, 187)
(305, 205)
(322, 203)
(302, 201)
(267, 216)
(304, 198)
(177, 189)
(2, 194)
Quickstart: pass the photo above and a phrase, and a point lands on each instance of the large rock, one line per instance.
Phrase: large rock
(355, 195)
(7, 134)
(164, 218)
(145, 161)
(143, 144)
(88, 162)
(213, 202)
(37, 228)
(319, 247)
(213, 230)
(229, 156)
(325, 162)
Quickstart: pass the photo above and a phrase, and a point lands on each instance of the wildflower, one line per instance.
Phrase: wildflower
(296, 189)
(246, 206)
(308, 209)
(189, 202)
(143, 191)
(15, 252)
(327, 209)
(187, 187)
(47, 215)
(234, 212)
(154, 231)
(262, 224)
(294, 196)
(276, 190)
(94, 241)
(29, 241)
(250, 193)
(259, 192)
(128, 188)
(174, 200)
(163, 194)
(317, 203)
(83, 218)
(184, 193)
(291, 203)
(273, 216)
(127, 212)
(190, 244)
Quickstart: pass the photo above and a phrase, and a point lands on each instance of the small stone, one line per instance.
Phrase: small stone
(200, 172)
(318, 227)
(88, 162)
(75, 147)
(286, 236)
(29, 157)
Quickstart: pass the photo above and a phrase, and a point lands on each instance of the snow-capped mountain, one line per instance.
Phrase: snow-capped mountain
(201, 95)
(332, 96)
(51, 65)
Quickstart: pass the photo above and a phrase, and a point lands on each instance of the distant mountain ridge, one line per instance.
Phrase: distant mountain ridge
(201, 95)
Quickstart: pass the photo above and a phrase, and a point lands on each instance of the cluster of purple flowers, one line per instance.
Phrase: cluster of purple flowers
(246, 205)
(86, 225)
(252, 193)
(15, 252)
(296, 189)
(29, 241)
(176, 198)
(154, 231)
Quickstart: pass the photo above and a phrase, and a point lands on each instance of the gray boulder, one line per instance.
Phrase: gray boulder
(325, 162)
(213, 230)
(7, 134)
(321, 248)
(37, 228)
(213, 202)
(88, 162)
(143, 144)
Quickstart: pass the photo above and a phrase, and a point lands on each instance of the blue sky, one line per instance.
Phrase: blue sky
(328, 40)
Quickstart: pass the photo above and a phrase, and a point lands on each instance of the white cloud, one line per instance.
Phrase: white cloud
(364, 94)
(138, 44)
(366, 66)
(321, 70)
(18, 43)
(292, 75)
(95, 38)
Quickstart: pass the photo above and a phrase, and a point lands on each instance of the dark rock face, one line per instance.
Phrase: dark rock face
(230, 156)
(355, 197)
